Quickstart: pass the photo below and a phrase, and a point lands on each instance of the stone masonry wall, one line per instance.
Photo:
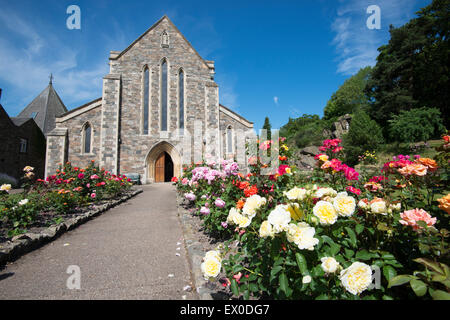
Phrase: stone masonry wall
(148, 51)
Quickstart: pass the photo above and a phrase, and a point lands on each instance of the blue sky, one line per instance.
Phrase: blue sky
(273, 58)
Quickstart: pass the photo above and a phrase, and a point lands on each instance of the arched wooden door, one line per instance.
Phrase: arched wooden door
(159, 167)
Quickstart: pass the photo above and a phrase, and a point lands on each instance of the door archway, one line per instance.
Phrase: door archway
(162, 163)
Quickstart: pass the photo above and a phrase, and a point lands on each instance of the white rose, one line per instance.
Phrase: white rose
(329, 264)
(295, 194)
(378, 207)
(344, 204)
(356, 278)
(302, 235)
(279, 218)
(266, 230)
(253, 203)
(306, 279)
(23, 202)
(213, 254)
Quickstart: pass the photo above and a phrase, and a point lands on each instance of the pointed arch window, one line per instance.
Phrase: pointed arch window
(87, 138)
(181, 98)
(164, 95)
(146, 101)
(229, 140)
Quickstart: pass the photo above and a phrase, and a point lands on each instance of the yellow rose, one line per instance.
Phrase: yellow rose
(211, 268)
(5, 187)
(325, 212)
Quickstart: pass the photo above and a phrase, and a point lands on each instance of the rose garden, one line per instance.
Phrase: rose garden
(322, 234)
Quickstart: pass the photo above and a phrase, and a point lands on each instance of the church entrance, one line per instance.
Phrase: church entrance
(163, 168)
(162, 163)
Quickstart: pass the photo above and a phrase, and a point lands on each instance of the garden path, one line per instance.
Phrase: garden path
(133, 251)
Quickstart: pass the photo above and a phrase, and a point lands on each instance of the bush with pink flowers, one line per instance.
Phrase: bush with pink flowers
(68, 190)
(333, 233)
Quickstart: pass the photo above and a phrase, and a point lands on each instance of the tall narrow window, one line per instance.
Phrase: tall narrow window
(181, 99)
(146, 89)
(87, 138)
(164, 95)
(229, 140)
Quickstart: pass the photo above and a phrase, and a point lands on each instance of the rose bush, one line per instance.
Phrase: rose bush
(69, 189)
(332, 233)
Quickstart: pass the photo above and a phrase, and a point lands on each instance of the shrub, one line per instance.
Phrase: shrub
(364, 134)
(414, 125)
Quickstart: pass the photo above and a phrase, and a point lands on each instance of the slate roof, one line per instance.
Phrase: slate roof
(47, 106)
(19, 121)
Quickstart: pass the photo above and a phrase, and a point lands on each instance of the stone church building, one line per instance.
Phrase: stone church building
(158, 93)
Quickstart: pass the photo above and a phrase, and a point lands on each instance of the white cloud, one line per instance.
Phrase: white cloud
(356, 45)
(275, 99)
(27, 59)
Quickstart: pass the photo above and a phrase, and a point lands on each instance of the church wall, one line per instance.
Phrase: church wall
(148, 51)
(74, 141)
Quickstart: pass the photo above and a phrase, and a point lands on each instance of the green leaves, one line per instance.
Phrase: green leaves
(234, 287)
(352, 236)
(419, 287)
(400, 280)
(389, 272)
(302, 264)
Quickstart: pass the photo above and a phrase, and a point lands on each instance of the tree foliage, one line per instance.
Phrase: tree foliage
(267, 126)
(412, 70)
(305, 130)
(364, 135)
(416, 125)
(349, 96)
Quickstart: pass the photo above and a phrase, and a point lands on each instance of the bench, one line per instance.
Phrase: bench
(134, 177)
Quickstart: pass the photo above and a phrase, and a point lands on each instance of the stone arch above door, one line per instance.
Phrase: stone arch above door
(153, 155)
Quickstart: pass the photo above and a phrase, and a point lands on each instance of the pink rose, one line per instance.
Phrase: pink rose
(80, 175)
(411, 217)
(219, 203)
(93, 195)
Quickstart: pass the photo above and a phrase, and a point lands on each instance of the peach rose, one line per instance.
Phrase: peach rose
(411, 217)
(444, 203)
(413, 169)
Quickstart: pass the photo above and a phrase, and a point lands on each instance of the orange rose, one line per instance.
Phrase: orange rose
(240, 204)
(429, 163)
(444, 203)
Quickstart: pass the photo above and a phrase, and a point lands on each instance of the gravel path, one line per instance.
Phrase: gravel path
(133, 251)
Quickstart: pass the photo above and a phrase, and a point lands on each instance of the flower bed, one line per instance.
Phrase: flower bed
(70, 192)
(331, 234)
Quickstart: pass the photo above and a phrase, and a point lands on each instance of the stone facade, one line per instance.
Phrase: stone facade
(12, 158)
(119, 141)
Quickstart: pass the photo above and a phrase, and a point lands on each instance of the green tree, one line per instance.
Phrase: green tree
(412, 70)
(416, 125)
(349, 96)
(268, 127)
(305, 130)
(364, 135)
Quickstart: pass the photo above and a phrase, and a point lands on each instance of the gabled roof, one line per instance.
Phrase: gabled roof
(19, 121)
(229, 111)
(44, 109)
(153, 27)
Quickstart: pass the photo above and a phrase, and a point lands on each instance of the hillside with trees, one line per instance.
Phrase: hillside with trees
(402, 99)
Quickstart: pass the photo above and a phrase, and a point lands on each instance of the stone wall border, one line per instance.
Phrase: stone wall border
(194, 252)
(27, 242)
